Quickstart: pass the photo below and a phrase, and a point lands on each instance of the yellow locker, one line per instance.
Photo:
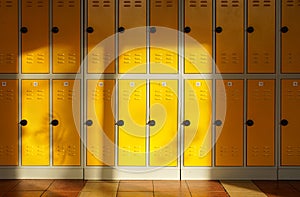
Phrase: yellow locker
(66, 122)
(163, 41)
(35, 122)
(100, 39)
(9, 36)
(197, 122)
(230, 36)
(66, 36)
(229, 132)
(261, 36)
(163, 122)
(290, 103)
(290, 41)
(132, 36)
(132, 122)
(260, 122)
(198, 25)
(100, 122)
(35, 36)
(9, 121)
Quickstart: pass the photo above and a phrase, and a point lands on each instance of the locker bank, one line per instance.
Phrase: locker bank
(149, 89)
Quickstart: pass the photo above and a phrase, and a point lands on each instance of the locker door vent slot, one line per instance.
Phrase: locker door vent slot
(192, 4)
(224, 3)
(138, 4)
(267, 3)
(292, 3)
(127, 4)
(235, 3)
(256, 3)
(61, 3)
(8, 58)
(7, 4)
(168, 3)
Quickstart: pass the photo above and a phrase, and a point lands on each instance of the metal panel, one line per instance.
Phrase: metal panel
(290, 36)
(66, 122)
(132, 111)
(230, 36)
(198, 25)
(35, 134)
(66, 36)
(132, 36)
(35, 36)
(261, 36)
(229, 146)
(164, 36)
(198, 112)
(101, 50)
(290, 103)
(9, 36)
(100, 122)
(163, 122)
(9, 120)
(260, 122)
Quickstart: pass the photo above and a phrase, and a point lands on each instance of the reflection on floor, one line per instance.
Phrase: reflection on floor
(72, 188)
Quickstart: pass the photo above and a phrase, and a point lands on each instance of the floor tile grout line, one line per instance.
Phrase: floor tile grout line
(19, 181)
(219, 181)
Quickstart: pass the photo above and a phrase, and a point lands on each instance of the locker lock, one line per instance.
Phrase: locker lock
(152, 30)
(187, 29)
(284, 29)
(90, 30)
(24, 30)
(54, 122)
(186, 123)
(219, 29)
(121, 29)
(250, 29)
(284, 122)
(218, 122)
(23, 122)
(249, 123)
(151, 123)
(120, 123)
(55, 30)
(89, 122)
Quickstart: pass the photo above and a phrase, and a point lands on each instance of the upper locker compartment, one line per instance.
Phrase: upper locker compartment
(132, 36)
(164, 36)
(290, 41)
(229, 36)
(66, 36)
(35, 36)
(261, 36)
(198, 36)
(9, 37)
(100, 39)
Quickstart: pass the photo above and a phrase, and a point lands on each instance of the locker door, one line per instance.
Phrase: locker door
(198, 25)
(260, 123)
(100, 122)
(261, 36)
(230, 36)
(66, 36)
(9, 121)
(290, 103)
(101, 53)
(163, 42)
(131, 122)
(35, 122)
(132, 36)
(66, 122)
(197, 122)
(35, 36)
(229, 146)
(9, 36)
(163, 122)
(290, 41)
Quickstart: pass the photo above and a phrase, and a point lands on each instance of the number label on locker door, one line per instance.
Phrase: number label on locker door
(35, 36)
(100, 123)
(197, 123)
(35, 122)
(66, 36)
(260, 123)
(163, 122)
(66, 122)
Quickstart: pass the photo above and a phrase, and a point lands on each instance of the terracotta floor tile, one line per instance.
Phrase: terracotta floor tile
(198, 186)
(60, 194)
(24, 194)
(101, 186)
(172, 194)
(67, 185)
(209, 194)
(135, 194)
(291, 194)
(247, 194)
(240, 186)
(7, 185)
(170, 186)
(98, 194)
(275, 186)
(295, 184)
(32, 185)
(137, 186)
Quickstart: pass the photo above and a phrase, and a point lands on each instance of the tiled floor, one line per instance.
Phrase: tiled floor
(72, 188)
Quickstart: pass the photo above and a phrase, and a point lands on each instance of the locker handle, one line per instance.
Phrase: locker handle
(187, 29)
(218, 122)
(219, 29)
(250, 29)
(55, 30)
(121, 29)
(151, 123)
(249, 123)
(284, 122)
(24, 30)
(54, 122)
(152, 30)
(90, 30)
(89, 122)
(120, 123)
(186, 123)
(284, 29)
(23, 122)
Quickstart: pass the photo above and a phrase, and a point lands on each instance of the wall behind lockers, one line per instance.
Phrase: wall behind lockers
(80, 82)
